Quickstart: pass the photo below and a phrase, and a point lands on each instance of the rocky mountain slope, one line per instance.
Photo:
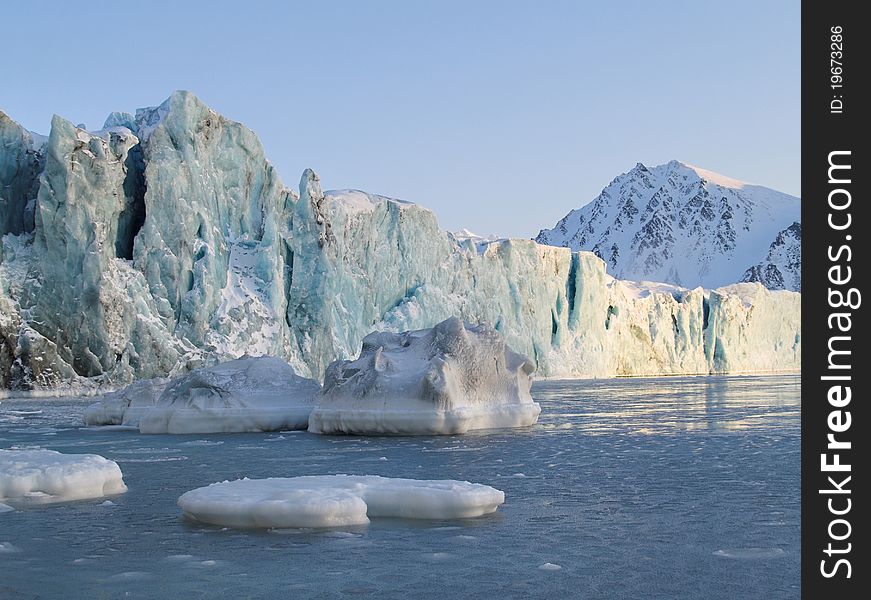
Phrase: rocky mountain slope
(780, 269)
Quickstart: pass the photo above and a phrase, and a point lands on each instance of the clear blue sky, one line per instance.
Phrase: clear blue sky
(500, 116)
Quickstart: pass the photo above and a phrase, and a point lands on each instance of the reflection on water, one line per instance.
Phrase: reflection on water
(670, 405)
(627, 488)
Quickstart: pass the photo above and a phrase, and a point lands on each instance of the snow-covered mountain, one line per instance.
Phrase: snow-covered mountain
(679, 224)
(780, 269)
(473, 240)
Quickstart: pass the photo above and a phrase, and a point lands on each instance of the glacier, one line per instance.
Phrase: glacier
(166, 242)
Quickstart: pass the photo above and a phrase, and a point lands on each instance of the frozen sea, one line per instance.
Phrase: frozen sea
(626, 488)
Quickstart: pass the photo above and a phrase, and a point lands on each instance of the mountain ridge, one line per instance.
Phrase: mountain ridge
(677, 223)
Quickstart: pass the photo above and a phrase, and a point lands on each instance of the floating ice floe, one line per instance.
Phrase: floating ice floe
(449, 379)
(39, 475)
(335, 501)
(247, 394)
(125, 406)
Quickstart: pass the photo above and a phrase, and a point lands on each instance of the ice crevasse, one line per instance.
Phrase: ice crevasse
(103, 279)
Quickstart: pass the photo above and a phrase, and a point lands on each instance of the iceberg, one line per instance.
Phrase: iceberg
(166, 242)
(449, 379)
(125, 406)
(37, 475)
(335, 501)
(247, 394)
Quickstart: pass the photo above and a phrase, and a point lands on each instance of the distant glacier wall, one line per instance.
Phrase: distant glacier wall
(166, 241)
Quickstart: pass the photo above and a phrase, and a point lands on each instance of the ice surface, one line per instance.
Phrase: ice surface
(38, 475)
(248, 394)
(125, 406)
(335, 501)
(451, 378)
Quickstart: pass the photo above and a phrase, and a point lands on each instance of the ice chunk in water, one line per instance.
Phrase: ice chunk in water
(335, 501)
(452, 378)
(38, 475)
(247, 394)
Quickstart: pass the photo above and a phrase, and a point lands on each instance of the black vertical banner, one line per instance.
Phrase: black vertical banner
(835, 254)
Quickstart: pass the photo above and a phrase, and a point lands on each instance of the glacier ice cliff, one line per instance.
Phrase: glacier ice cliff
(166, 241)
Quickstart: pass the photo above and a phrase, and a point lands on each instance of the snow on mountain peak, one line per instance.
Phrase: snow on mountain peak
(677, 223)
(358, 201)
(721, 180)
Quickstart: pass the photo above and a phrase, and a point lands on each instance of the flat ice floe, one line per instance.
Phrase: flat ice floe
(125, 406)
(246, 394)
(335, 501)
(47, 476)
(449, 379)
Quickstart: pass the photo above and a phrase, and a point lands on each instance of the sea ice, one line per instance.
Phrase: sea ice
(125, 406)
(49, 476)
(449, 379)
(247, 394)
(335, 501)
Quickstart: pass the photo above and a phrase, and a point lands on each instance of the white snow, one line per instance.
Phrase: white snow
(247, 394)
(335, 501)
(721, 180)
(449, 379)
(48, 476)
(245, 322)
